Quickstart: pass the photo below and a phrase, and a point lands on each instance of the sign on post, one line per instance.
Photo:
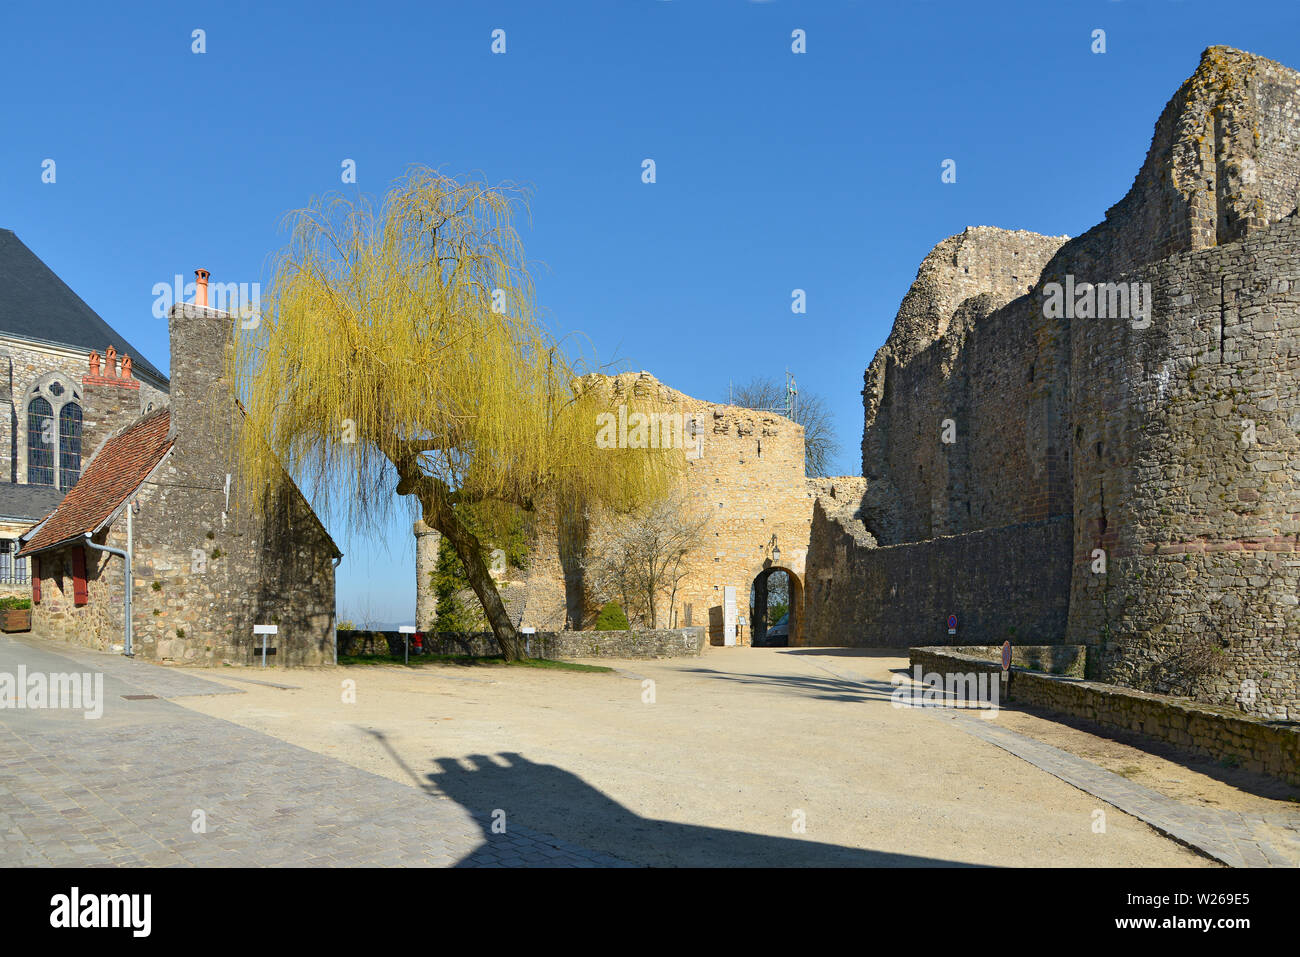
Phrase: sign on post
(265, 630)
(952, 624)
(1006, 656)
(729, 614)
(407, 631)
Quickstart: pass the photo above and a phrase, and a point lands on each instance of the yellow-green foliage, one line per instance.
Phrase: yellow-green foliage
(379, 348)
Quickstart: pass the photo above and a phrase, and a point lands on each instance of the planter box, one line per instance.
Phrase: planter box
(16, 619)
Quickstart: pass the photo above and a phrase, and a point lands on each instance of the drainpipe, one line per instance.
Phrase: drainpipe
(337, 562)
(126, 592)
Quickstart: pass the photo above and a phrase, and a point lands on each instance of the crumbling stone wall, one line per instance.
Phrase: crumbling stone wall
(1129, 434)
(1003, 584)
(1188, 476)
(749, 485)
(947, 359)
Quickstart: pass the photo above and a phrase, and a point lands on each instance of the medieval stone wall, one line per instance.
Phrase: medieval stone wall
(1125, 430)
(1188, 475)
(1002, 584)
(747, 484)
(955, 356)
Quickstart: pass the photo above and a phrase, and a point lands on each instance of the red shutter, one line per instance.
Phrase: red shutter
(79, 576)
(36, 580)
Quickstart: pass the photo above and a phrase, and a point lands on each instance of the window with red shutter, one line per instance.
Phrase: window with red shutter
(36, 580)
(79, 596)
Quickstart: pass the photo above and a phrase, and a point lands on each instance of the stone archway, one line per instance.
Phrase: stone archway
(758, 604)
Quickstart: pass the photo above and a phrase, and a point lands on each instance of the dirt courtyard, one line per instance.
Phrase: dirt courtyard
(743, 756)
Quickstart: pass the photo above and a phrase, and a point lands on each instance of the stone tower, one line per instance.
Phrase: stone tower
(427, 541)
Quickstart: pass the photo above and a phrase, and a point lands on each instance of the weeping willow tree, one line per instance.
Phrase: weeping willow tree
(399, 360)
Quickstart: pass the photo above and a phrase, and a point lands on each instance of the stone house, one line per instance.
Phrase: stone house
(157, 495)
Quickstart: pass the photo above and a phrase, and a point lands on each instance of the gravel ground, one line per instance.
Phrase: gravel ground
(736, 751)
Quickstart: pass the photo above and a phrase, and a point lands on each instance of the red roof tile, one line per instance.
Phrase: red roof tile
(115, 472)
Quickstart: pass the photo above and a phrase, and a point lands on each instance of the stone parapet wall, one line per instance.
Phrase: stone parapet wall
(659, 643)
(1068, 660)
(1224, 734)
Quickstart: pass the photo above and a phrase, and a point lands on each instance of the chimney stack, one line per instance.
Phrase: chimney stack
(200, 397)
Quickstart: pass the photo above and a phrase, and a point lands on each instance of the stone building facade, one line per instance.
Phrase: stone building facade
(53, 413)
(1123, 472)
(205, 567)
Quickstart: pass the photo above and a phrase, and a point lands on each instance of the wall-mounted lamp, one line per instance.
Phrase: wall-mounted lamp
(776, 551)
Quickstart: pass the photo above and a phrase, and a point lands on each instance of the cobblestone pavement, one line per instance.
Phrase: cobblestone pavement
(1231, 837)
(127, 789)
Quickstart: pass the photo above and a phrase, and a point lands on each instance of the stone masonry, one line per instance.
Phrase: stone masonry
(1119, 477)
(748, 483)
(206, 567)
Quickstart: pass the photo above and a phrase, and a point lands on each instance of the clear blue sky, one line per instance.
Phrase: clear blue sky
(776, 171)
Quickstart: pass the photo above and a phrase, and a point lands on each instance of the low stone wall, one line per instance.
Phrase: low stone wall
(1256, 744)
(1069, 660)
(660, 643)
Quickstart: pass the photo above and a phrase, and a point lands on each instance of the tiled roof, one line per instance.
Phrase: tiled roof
(116, 471)
(27, 503)
(37, 304)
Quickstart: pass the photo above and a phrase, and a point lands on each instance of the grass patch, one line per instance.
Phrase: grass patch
(469, 661)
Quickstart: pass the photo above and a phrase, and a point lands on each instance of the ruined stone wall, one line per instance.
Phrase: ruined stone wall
(1188, 476)
(1239, 740)
(1129, 435)
(958, 352)
(747, 483)
(1008, 583)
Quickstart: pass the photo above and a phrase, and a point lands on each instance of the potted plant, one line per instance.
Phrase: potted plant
(15, 614)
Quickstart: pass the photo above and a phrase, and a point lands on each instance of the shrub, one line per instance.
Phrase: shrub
(14, 602)
(611, 618)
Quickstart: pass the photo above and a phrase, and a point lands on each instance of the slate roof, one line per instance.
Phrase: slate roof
(37, 304)
(27, 503)
(119, 468)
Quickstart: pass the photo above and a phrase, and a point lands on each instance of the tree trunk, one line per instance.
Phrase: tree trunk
(470, 553)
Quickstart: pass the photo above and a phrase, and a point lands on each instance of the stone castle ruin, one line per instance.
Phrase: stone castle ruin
(744, 479)
(1122, 475)
(1092, 441)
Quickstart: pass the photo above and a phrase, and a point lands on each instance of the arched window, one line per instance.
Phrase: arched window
(53, 432)
(69, 445)
(40, 442)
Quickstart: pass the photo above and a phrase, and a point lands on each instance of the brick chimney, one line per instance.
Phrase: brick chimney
(110, 399)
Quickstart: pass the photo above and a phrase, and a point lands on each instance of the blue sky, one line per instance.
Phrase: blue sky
(775, 171)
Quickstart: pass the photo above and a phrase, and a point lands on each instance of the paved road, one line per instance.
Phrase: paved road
(128, 788)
